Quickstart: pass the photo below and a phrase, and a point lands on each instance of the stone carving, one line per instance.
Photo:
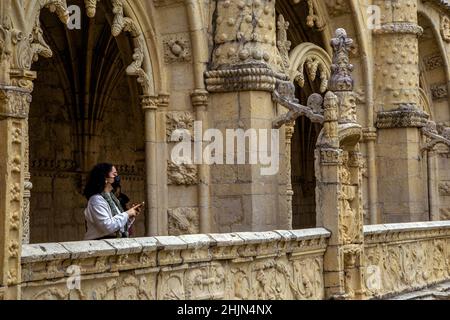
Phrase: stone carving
(396, 265)
(205, 283)
(445, 28)
(313, 65)
(444, 188)
(349, 218)
(444, 213)
(245, 55)
(13, 249)
(183, 221)
(329, 135)
(285, 95)
(312, 20)
(435, 136)
(183, 174)
(179, 120)
(433, 61)
(283, 44)
(122, 23)
(407, 115)
(14, 103)
(91, 7)
(177, 48)
(399, 28)
(341, 69)
(439, 91)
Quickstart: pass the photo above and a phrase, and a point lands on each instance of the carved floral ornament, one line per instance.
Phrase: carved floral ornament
(314, 61)
(313, 19)
(445, 28)
(435, 135)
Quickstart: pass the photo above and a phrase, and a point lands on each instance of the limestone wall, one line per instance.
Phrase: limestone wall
(406, 256)
(247, 265)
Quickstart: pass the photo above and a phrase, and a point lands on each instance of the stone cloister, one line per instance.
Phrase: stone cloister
(358, 89)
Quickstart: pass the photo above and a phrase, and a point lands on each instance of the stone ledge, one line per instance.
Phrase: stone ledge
(44, 252)
(88, 249)
(440, 291)
(49, 261)
(405, 231)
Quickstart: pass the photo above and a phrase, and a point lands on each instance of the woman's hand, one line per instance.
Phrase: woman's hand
(135, 210)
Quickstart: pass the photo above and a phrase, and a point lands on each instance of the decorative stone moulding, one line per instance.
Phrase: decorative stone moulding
(399, 27)
(242, 78)
(445, 28)
(407, 115)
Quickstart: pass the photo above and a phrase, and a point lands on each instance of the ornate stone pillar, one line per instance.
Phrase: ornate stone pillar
(433, 183)
(23, 78)
(14, 108)
(401, 195)
(370, 137)
(245, 68)
(339, 180)
(289, 133)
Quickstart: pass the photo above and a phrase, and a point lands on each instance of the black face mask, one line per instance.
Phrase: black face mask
(116, 182)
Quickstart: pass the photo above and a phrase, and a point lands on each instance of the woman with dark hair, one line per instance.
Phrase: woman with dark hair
(105, 217)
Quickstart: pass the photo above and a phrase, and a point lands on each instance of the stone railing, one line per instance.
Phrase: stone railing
(248, 265)
(406, 256)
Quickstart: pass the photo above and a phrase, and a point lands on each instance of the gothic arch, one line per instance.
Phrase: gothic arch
(434, 66)
(312, 59)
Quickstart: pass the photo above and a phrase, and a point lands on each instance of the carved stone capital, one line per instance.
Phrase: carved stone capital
(330, 157)
(200, 98)
(369, 134)
(14, 102)
(149, 102)
(406, 116)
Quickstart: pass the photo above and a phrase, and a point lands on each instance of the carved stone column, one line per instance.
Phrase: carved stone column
(14, 108)
(433, 183)
(401, 195)
(339, 180)
(149, 105)
(200, 103)
(289, 133)
(23, 78)
(245, 68)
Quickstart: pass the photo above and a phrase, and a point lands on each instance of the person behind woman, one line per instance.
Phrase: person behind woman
(105, 217)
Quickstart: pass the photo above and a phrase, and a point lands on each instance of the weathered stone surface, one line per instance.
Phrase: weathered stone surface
(89, 249)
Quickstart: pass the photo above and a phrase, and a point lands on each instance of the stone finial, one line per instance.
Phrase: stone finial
(341, 68)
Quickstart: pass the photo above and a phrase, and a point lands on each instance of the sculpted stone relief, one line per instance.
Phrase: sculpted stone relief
(183, 221)
(439, 91)
(257, 269)
(433, 61)
(445, 28)
(396, 267)
(123, 287)
(347, 196)
(177, 48)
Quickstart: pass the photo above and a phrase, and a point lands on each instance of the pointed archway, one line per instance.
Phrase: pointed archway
(85, 110)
